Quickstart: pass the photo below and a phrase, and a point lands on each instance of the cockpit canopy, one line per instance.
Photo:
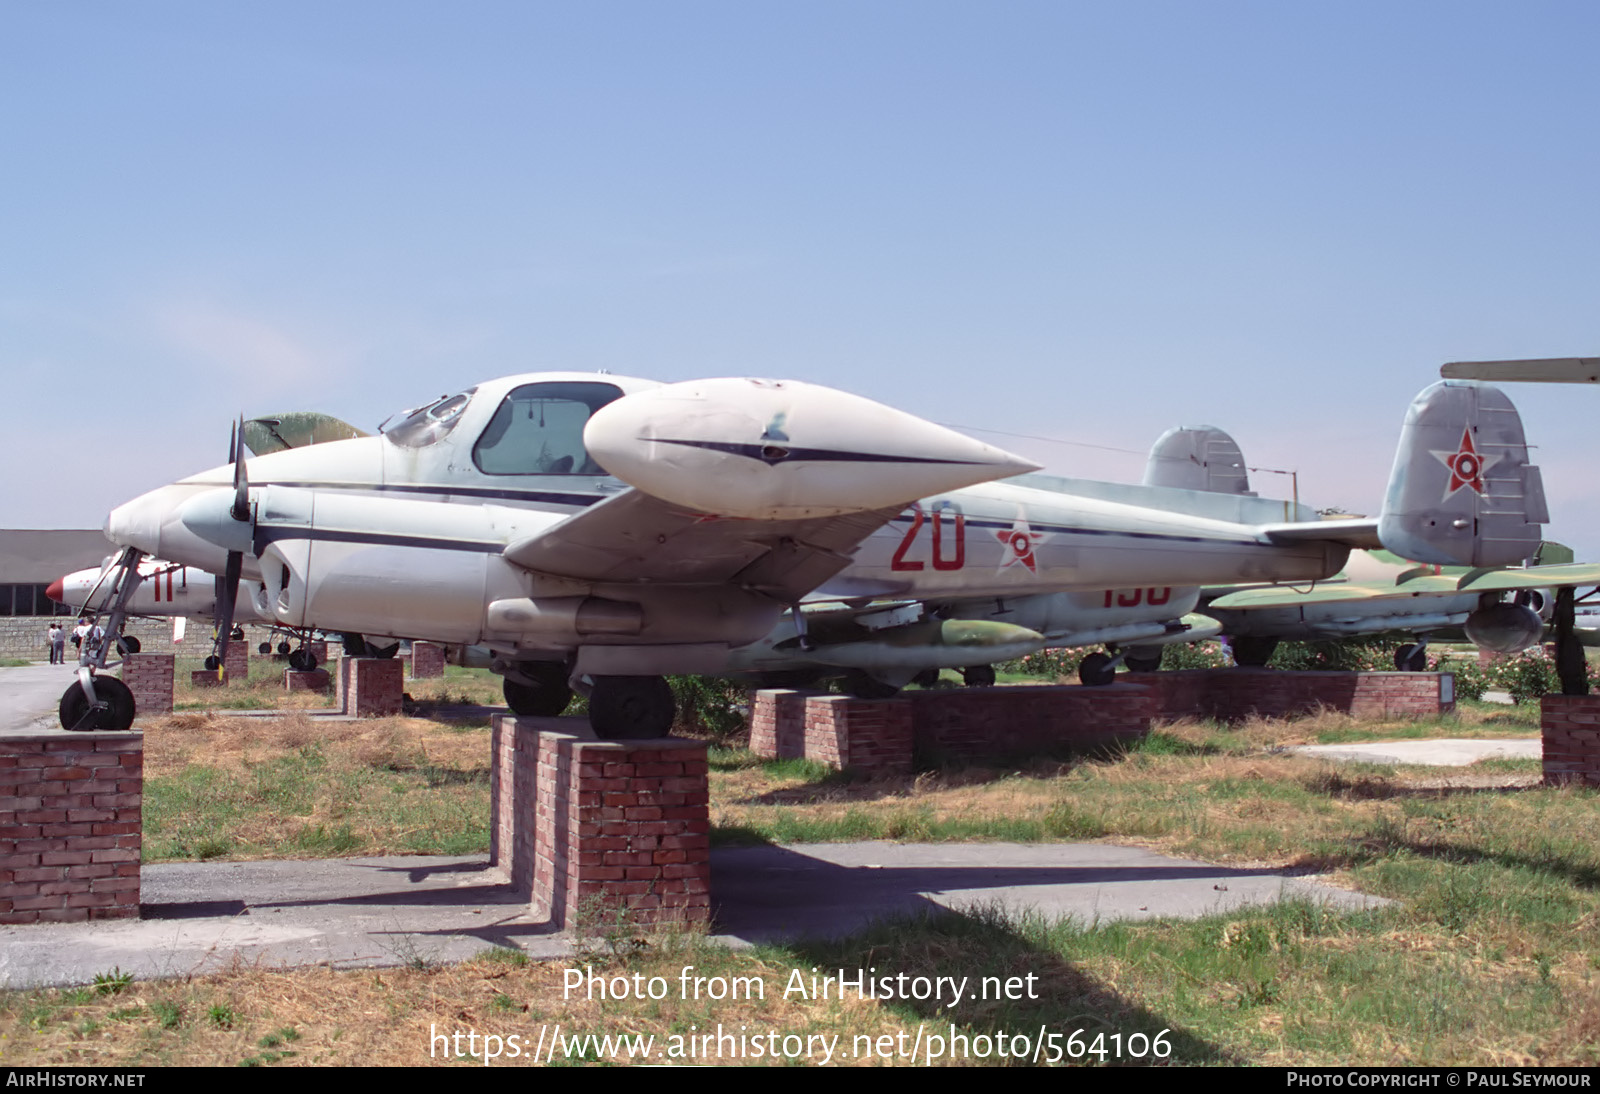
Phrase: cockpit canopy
(538, 429)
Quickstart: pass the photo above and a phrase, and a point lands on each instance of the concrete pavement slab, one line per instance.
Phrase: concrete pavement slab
(1444, 752)
(346, 913)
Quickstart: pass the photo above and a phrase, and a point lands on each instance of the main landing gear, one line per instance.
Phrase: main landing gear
(95, 701)
(621, 708)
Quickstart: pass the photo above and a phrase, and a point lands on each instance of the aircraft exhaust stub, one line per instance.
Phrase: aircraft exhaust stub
(783, 450)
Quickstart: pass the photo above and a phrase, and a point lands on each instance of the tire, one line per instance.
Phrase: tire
(978, 676)
(303, 661)
(77, 714)
(631, 708)
(354, 645)
(863, 685)
(283, 647)
(264, 649)
(130, 644)
(543, 701)
(1411, 657)
(1096, 671)
(1143, 664)
(1254, 652)
(927, 678)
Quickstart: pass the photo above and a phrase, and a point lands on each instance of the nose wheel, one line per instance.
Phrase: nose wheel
(110, 707)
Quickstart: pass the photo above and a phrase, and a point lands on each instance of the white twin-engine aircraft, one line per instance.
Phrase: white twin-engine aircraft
(599, 532)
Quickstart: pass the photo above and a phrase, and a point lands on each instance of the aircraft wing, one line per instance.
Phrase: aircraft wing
(633, 536)
(1534, 577)
(1357, 533)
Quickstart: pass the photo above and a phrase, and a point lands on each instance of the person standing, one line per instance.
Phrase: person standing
(58, 644)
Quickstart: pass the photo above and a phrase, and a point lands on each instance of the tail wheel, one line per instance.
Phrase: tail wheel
(113, 708)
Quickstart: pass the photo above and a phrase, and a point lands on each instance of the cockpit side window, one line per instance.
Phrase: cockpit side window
(428, 424)
(538, 430)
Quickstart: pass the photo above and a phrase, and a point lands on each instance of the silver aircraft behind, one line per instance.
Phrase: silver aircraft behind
(602, 531)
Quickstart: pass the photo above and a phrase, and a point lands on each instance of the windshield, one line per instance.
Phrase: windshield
(430, 423)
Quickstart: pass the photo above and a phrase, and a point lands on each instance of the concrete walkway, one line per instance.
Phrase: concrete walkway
(348, 913)
(1443, 752)
(30, 695)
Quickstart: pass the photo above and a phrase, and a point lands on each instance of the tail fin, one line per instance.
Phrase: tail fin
(1199, 457)
(1462, 491)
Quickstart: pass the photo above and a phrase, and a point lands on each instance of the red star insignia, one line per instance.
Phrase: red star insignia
(1466, 465)
(1019, 542)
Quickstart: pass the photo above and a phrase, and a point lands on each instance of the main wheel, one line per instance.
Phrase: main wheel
(283, 647)
(1411, 657)
(864, 685)
(1096, 670)
(354, 645)
(1254, 652)
(113, 710)
(978, 676)
(1147, 663)
(302, 660)
(927, 678)
(264, 649)
(544, 699)
(630, 708)
(130, 644)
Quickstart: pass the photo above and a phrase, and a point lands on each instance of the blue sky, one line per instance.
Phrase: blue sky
(1083, 221)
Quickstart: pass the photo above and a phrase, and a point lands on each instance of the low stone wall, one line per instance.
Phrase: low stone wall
(1235, 694)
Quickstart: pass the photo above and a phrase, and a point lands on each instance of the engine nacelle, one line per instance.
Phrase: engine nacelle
(1541, 601)
(1504, 628)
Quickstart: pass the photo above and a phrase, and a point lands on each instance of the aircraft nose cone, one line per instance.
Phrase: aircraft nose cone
(55, 591)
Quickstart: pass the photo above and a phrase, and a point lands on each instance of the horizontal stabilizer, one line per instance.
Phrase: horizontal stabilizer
(1462, 491)
(1541, 370)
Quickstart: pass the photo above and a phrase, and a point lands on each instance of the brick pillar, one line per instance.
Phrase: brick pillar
(315, 680)
(869, 735)
(622, 824)
(236, 662)
(149, 677)
(319, 650)
(513, 781)
(427, 660)
(371, 687)
(1570, 728)
(778, 723)
(70, 826)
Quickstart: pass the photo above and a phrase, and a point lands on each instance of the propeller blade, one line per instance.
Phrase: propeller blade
(240, 510)
(227, 596)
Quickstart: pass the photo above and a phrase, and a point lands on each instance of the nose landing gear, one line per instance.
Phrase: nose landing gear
(96, 701)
